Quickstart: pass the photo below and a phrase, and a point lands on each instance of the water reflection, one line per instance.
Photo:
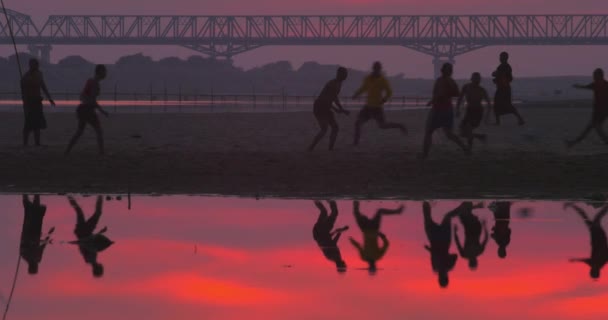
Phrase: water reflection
(501, 231)
(89, 242)
(599, 243)
(224, 258)
(473, 245)
(32, 243)
(370, 251)
(440, 239)
(326, 238)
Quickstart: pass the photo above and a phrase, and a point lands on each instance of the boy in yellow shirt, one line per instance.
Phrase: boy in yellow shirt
(378, 92)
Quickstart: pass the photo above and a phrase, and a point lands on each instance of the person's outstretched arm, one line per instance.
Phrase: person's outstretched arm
(363, 88)
(460, 99)
(458, 244)
(356, 244)
(385, 243)
(104, 112)
(388, 91)
(46, 92)
(485, 239)
(584, 260)
(582, 86)
(486, 97)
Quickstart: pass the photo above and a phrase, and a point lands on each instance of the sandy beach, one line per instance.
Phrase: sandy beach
(264, 154)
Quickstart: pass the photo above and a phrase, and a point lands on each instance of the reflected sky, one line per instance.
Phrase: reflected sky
(229, 258)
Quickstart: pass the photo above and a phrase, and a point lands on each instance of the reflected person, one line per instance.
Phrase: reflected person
(599, 242)
(32, 245)
(326, 238)
(90, 243)
(370, 251)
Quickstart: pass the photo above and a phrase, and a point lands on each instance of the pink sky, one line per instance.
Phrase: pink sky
(152, 271)
(529, 61)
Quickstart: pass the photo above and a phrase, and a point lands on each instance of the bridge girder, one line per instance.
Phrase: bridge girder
(442, 36)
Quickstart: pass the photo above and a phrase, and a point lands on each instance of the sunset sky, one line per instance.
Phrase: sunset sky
(527, 61)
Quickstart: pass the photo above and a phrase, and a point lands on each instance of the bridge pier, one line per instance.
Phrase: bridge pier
(438, 63)
(41, 52)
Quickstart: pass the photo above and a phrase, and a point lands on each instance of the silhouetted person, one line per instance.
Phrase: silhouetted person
(324, 109)
(90, 243)
(441, 115)
(32, 245)
(86, 111)
(370, 251)
(501, 232)
(326, 238)
(599, 242)
(473, 245)
(600, 107)
(474, 94)
(32, 84)
(378, 93)
(503, 104)
(440, 239)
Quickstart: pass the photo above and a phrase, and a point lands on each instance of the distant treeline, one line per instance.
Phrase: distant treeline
(198, 75)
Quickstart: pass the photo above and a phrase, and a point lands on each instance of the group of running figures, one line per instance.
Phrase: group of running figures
(441, 115)
(375, 85)
(375, 242)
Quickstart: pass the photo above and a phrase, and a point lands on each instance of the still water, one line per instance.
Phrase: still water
(190, 257)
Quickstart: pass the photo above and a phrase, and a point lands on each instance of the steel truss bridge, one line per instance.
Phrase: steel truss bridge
(442, 36)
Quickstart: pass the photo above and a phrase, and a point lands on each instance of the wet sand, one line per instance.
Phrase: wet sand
(265, 155)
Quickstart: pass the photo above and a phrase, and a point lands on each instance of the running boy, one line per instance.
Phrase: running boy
(378, 93)
(474, 94)
(86, 111)
(600, 108)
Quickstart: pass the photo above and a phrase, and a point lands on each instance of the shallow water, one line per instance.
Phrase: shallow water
(186, 257)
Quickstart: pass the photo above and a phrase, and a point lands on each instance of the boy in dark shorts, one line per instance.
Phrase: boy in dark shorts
(86, 111)
(32, 84)
(441, 115)
(326, 238)
(324, 109)
(599, 242)
(600, 107)
(474, 94)
(503, 104)
(370, 252)
(378, 93)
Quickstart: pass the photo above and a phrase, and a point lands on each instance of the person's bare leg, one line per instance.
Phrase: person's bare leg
(26, 136)
(37, 137)
(99, 133)
(358, 125)
(520, 119)
(451, 136)
(79, 131)
(581, 137)
(384, 211)
(601, 133)
(333, 134)
(426, 146)
(391, 125)
(318, 137)
(580, 212)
